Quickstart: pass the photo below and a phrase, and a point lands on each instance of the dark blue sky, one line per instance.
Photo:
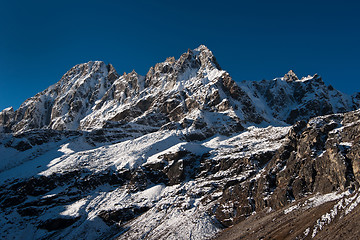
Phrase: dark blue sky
(252, 40)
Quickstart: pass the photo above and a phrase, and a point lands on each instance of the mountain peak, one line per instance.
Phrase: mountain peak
(90, 65)
(91, 94)
(206, 57)
(202, 48)
(170, 60)
(83, 69)
(133, 72)
(290, 76)
(110, 67)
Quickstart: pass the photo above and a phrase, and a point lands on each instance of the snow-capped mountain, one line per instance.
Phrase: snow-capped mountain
(290, 99)
(181, 153)
(192, 88)
(63, 105)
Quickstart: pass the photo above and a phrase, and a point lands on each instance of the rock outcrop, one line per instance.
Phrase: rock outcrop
(319, 157)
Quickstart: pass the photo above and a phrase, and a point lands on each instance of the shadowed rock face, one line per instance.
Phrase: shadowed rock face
(57, 223)
(320, 156)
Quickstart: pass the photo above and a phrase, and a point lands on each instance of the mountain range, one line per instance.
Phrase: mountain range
(184, 152)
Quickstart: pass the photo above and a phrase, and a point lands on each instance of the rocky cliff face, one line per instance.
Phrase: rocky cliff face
(319, 157)
(183, 152)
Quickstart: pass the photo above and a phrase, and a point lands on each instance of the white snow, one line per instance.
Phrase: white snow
(346, 200)
(128, 154)
(347, 144)
(169, 210)
(321, 199)
(306, 232)
(75, 208)
(290, 209)
(65, 149)
(194, 148)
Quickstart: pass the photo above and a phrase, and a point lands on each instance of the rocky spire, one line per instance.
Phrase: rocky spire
(112, 74)
(290, 76)
(206, 57)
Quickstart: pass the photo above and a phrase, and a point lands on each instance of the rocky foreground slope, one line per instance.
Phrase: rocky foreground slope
(181, 153)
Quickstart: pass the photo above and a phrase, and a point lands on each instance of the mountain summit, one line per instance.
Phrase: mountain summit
(183, 152)
(93, 95)
(290, 76)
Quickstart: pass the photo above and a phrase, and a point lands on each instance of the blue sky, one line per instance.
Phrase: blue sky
(252, 40)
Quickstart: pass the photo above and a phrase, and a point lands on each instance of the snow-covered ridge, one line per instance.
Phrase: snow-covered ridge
(92, 96)
(165, 209)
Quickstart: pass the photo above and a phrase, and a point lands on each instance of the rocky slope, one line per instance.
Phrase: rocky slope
(321, 158)
(181, 153)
